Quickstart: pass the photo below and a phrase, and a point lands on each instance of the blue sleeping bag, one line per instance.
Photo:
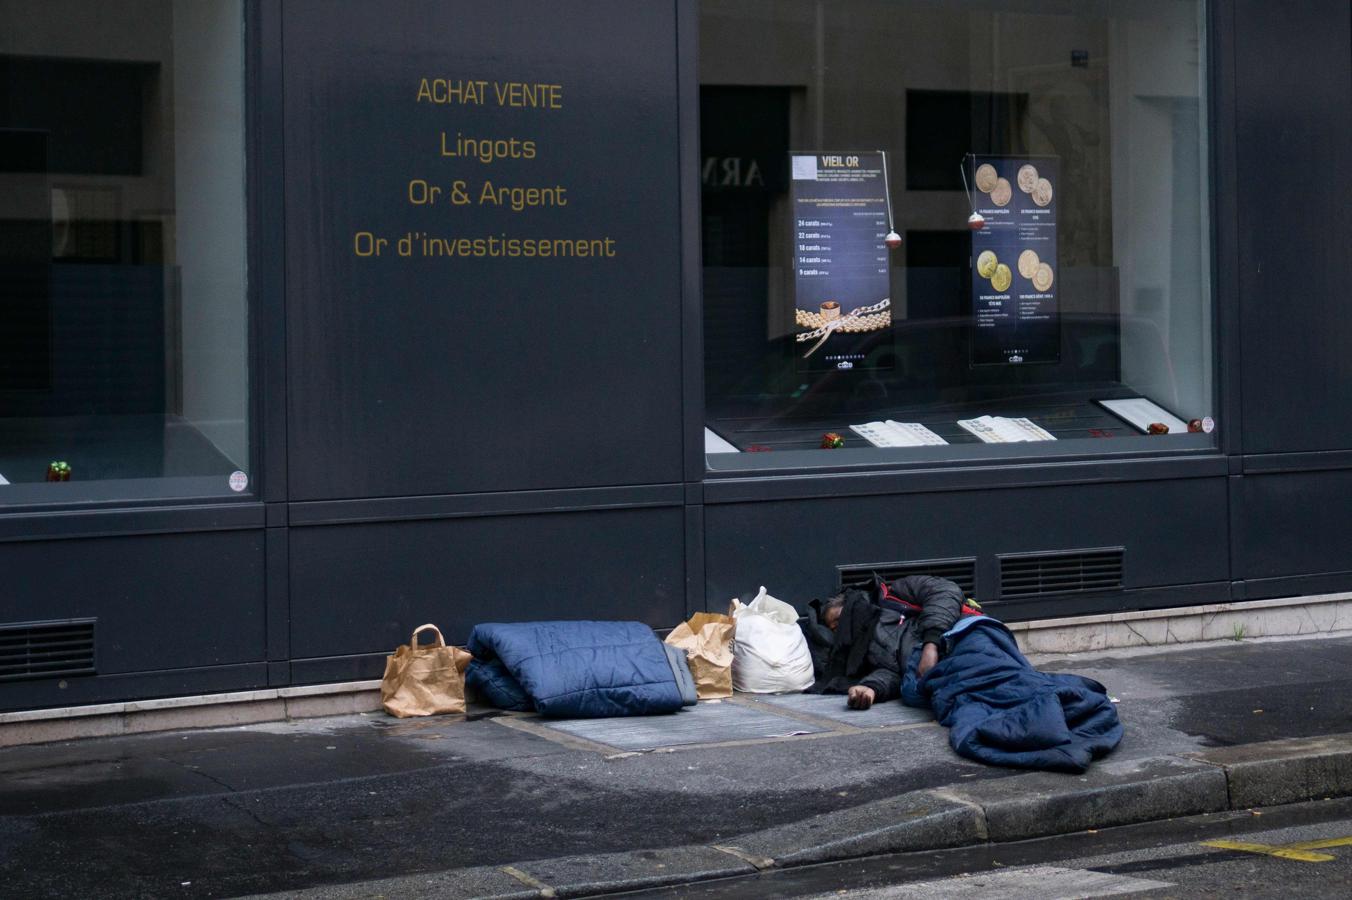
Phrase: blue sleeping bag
(1002, 711)
(578, 669)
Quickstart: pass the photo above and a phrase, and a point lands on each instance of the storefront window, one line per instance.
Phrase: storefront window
(123, 315)
(947, 231)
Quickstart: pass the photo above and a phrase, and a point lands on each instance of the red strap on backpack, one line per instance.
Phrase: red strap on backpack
(888, 595)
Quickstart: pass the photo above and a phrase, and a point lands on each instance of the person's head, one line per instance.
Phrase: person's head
(831, 612)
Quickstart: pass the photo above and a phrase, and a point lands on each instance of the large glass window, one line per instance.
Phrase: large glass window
(946, 231)
(123, 314)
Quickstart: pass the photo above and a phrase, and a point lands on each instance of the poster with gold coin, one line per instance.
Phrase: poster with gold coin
(1015, 314)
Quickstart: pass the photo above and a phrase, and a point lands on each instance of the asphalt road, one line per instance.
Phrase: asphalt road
(1260, 853)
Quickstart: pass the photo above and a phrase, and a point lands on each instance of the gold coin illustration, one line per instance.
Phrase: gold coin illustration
(1002, 278)
(1042, 192)
(1027, 178)
(1042, 277)
(985, 264)
(1002, 192)
(986, 177)
(1028, 262)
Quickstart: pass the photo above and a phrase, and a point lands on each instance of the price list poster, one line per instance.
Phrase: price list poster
(1015, 313)
(840, 260)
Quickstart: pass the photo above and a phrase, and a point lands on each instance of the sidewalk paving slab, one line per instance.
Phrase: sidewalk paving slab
(830, 708)
(706, 723)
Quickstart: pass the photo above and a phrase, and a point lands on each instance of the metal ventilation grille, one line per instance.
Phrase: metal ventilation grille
(1067, 572)
(46, 649)
(960, 571)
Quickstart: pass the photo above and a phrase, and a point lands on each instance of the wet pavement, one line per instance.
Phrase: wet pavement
(275, 807)
(1178, 857)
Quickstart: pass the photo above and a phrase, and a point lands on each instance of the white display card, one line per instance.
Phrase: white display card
(897, 434)
(1142, 413)
(1000, 430)
(714, 443)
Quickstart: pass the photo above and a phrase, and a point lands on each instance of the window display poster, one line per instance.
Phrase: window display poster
(1016, 318)
(841, 291)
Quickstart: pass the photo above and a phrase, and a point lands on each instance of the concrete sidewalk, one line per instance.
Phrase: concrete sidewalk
(505, 805)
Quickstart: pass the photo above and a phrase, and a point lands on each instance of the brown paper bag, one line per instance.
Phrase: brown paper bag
(424, 681)
(707, 641)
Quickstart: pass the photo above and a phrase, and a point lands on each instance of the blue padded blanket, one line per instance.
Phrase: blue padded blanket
(574, 669)
(1002, 711)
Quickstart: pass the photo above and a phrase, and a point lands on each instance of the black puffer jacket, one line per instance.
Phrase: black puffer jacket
(896, 635)
(843, 656)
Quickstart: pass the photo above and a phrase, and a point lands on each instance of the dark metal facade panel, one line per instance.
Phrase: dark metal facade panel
(363, 588)
(278, 587)
(1224, 183)
(970, 478)
(163, 601)
(1296, 462)
(391, 509)
(180, 682)
(144, 520)
(1294, 152)
(1294, 586)
(421, 375)
(1294, 523)
(267, 247)
(325, 669)
(694, 560)
(794, 547)
(692, 261)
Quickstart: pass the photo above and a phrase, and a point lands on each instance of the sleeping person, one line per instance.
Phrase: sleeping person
(914, 638)
(861, 639)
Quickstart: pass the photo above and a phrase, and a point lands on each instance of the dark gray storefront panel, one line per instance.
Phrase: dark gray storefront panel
(161, 602)
(1172, 533)
(360, 589)
(1293, 524)
(416, 375)
(1293, 137)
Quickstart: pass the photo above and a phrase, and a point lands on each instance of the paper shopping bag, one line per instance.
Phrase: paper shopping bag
(707, 641)
(426, 680)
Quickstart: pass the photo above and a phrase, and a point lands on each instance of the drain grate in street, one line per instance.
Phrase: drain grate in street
(832, 707)
(706, 723)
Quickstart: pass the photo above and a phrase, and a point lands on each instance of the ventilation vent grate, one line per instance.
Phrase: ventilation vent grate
(46, 649)
(960, 571)
(1067, 572)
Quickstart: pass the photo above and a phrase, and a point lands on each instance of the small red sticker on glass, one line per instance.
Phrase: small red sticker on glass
(238, 481)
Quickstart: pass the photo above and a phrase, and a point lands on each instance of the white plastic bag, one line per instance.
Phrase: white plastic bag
(769, 653)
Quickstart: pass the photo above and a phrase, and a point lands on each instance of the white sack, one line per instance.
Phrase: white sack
(769, 652)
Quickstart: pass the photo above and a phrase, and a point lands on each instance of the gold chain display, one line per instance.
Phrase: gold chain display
(865, 318)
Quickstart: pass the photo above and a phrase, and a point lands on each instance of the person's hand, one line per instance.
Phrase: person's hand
(860, 697)
(928, 657)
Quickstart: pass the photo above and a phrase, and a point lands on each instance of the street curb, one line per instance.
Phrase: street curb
(1022, 806)
(921, 820)
(1287, 771)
